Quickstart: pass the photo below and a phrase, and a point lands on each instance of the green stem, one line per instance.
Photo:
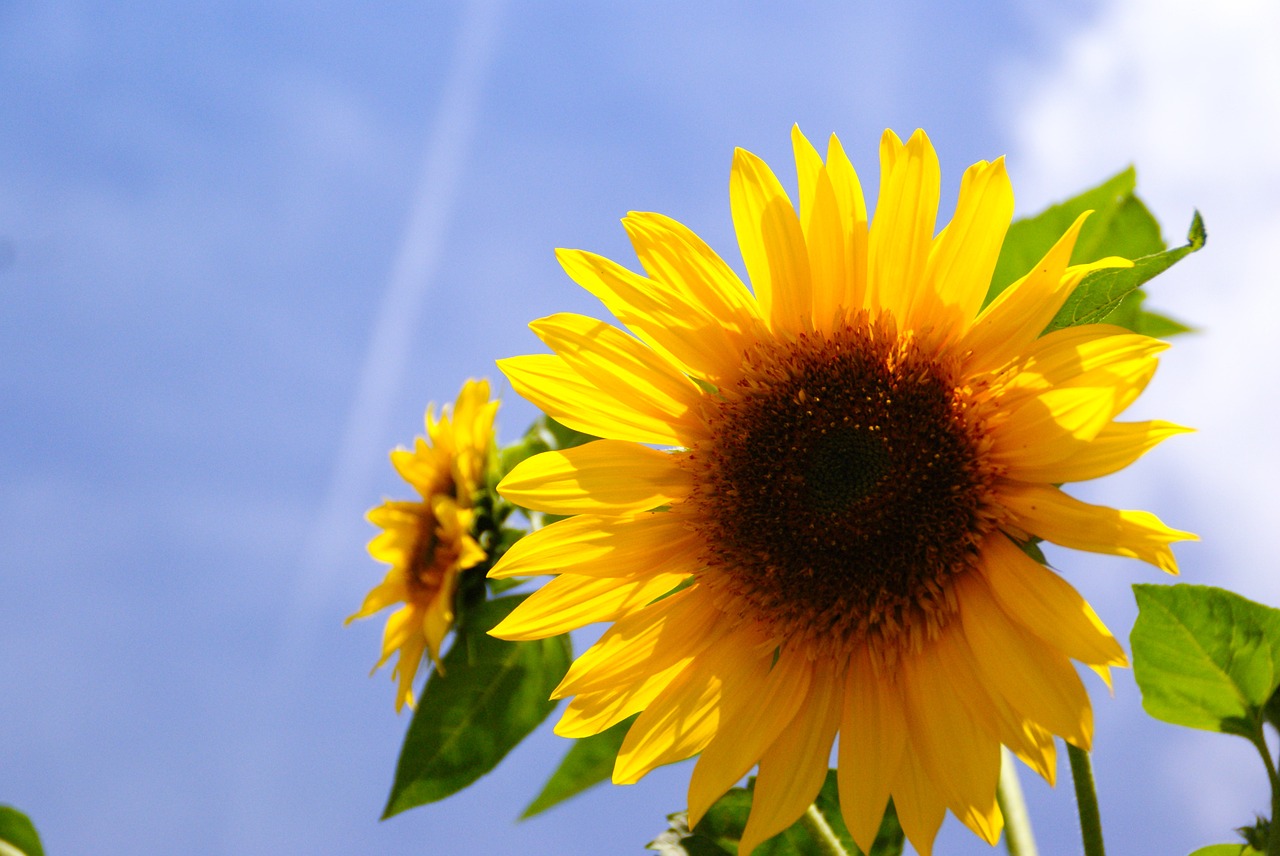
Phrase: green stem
(1018, 838)
(1086, 801)
(828, 842)
(1273, 832)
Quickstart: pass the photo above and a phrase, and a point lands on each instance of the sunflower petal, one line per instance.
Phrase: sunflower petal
(586, 544)
(793, 769)
(872, 739)
(902, 229)
(1046, 605)
(688, 714)
(666, 316)
(964, 254)
(605, 477)
(677, 628)
(1046, 511)
(772, 243)
(623, 369)
(1117, 446)
(853, 214)
(571, 601)
(759, 706)
(1035, 680)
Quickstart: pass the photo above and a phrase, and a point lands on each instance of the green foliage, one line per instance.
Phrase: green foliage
(1227, 850)
(1121, 225)
(18, 834)
(491, 694)
(719, 832)
(587, 763)
(1103, 294)
(1205, 658)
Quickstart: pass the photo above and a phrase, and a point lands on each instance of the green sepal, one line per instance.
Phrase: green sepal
(721, 829)
(588, 762)
(491, 695)
(1204, 657)
(1103, 292)
(18, 833)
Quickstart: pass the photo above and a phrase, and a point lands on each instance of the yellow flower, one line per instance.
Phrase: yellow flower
(831, 541)
(428, 543)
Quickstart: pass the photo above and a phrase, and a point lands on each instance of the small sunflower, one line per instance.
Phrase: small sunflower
(808, 512)
(429, 542)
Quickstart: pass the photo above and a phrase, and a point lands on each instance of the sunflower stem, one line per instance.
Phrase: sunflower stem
(1086, 801)
(1018, 838)
(828, 842)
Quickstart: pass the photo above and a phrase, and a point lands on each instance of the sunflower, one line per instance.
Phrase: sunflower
(814, 507)
(429, 542)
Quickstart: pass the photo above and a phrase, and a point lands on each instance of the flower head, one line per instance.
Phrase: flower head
(830, 539)
(428, 542)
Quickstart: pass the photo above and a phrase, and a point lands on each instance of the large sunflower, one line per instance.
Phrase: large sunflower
(428, 542)
(832, 539)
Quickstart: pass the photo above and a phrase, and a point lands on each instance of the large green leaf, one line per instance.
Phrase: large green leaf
(720, 831)
(1204, 657)
(1226, 850)
(1104, 291)
(491, 694)
(587, 763)
(18, 834)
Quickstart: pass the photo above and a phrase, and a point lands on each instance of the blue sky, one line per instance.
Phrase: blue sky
(242, 246)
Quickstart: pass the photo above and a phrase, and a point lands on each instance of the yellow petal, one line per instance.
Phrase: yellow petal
(1046, 511)
(1034, 680)
(677, 628)
(964, 254)
(666, 316)
(1050, 426)
(673, 255)
(918, 803)
(1117, 446)
(793, 769)
(569, 398)
(605, 476)
(772, 243)
(948, 715)
(691, 710)
(853, 214)
(591, 713)
(902, 229)
(571, 601)
(757, 709)
(657, 542)
(825, 234)
(1019, 314)
(1046, 605)
(872, 739)
(623, 369)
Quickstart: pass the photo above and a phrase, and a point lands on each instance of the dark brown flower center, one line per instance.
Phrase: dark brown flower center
(842, 487)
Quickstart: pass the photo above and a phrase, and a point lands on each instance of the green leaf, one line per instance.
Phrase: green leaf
(1226, 850)
(491, 694)
(721, 829)
(587, 763)
(18, 834)
(1102, 292)
(1204, 657)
